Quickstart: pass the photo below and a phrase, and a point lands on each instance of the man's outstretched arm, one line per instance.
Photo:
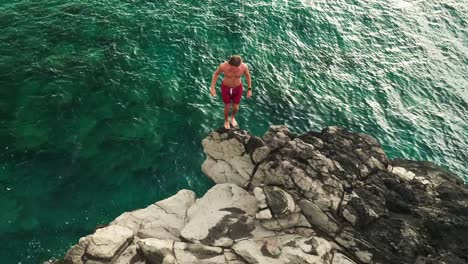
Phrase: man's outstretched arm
(213, 81)
(249, 82)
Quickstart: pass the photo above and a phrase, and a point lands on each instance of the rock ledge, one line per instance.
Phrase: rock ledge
(320, 197)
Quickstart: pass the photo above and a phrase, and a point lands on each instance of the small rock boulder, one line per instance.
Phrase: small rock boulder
(279, 201)
(107, 243)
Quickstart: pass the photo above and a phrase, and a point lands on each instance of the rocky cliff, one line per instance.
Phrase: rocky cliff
(320, 197)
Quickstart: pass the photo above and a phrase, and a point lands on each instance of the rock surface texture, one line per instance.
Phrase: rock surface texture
(320, 197)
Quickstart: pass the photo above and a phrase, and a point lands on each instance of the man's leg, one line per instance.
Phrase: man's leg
(227, 107)
(235, 108)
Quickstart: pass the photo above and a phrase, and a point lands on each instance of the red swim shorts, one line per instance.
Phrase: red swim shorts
(233, 94)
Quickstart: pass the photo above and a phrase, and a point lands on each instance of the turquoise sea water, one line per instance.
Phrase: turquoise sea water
(104, 104)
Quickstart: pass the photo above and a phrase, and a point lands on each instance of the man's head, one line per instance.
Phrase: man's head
(235, 60)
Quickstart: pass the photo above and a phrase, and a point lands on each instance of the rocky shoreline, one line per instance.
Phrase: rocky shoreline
(320, 197)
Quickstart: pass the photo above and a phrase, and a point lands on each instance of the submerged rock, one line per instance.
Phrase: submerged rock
(320, 197)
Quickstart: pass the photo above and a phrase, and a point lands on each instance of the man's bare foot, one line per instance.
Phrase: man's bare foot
(226, 125)
(234, 123)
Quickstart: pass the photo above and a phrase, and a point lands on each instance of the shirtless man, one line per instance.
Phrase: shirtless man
(231, 86)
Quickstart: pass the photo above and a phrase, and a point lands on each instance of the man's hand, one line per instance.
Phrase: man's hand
(249, 93)
(213, 92)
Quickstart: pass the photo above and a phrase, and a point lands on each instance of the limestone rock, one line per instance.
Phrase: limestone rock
(283, 249)
(261, 232)
(315, 246)
(227, 160)
(331, 196)
(277, 137)
(323, 165)
(339, 258)
(260, 154)
(403, 173)
(286, 221)
(261, 198)
(130, 255)
(75, 253)
(244, 167)
(232, 258)
(275, 173)
(106, 243)
(186, 253)
(358, 213)
(156, 250)
(221, 171)
(169, 259)
(279, 201)
(250, 251)
(264, 214)
(164, 219)
(217, 148)
(316, 217)
(225, 213)
(298, 149)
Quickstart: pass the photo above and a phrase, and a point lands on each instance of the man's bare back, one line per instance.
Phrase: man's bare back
(233, 71)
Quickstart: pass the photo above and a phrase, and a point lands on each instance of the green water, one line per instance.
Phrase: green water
(104, 104)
